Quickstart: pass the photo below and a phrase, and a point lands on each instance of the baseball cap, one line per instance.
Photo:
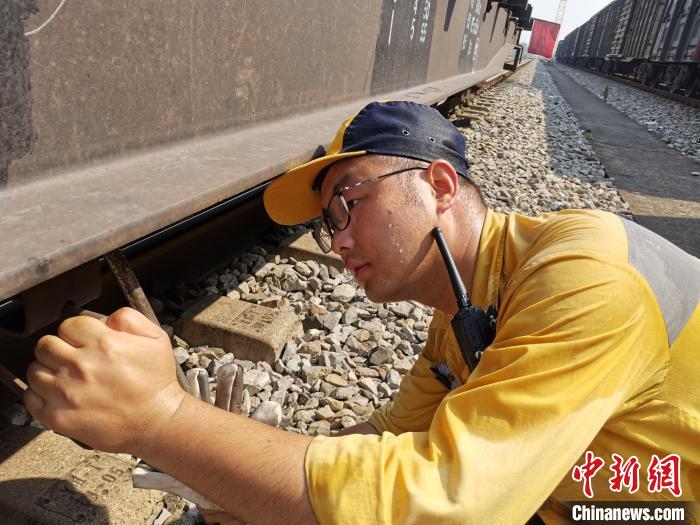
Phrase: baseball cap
(396, 128)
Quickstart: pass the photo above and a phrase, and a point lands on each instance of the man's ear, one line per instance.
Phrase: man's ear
(442, 178)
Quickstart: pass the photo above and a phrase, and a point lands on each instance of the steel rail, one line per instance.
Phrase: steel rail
(688, 101)
(13, 306)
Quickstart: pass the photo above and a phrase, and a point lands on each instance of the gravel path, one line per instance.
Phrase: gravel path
(676, 124)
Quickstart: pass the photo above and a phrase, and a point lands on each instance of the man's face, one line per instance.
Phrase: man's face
(385, 244)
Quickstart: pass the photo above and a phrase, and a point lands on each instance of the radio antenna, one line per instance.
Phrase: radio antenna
(457, 284)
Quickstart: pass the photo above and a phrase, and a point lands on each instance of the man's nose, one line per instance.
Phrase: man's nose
(342, 241)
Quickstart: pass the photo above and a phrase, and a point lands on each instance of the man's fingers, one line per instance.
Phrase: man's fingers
(81, 330)
(53, 352)
(41, 379)
(34, 403)
(132, 322)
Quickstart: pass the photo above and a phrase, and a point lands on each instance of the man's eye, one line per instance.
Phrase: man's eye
(351, 203)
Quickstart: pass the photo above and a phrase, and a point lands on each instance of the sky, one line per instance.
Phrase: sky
(577, 12)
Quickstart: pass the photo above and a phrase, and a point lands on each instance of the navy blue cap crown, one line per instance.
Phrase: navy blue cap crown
(406, 129)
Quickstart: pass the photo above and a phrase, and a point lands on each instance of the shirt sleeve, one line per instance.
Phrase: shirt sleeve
(571, 347)
(419, 394)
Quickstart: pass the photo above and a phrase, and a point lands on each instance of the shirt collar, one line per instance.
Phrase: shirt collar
(489, 260)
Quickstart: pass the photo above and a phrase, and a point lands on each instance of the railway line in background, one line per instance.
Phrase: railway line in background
(688, 101)
(654, 42)
(654, 180)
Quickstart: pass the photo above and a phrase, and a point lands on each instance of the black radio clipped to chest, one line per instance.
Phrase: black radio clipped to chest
(474, 327)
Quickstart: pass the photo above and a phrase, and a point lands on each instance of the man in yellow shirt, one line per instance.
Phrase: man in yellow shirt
(588, 389)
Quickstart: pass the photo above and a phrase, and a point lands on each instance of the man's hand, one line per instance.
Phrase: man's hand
(108, 384)
(112, 385)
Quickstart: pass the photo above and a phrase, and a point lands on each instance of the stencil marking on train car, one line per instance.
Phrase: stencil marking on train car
(470, 39)
(403, 45)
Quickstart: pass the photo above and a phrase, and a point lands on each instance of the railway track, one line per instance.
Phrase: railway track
(688, 101)
(642, 38)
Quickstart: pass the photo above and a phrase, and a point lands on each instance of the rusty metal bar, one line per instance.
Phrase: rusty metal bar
(130, 285)
(132, 290)
(90, 313)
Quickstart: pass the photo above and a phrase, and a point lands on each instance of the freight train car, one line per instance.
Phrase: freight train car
(567, 47)
(604, 34)
(122, 118)
(620, 27)
(656, 42)
(678, 43)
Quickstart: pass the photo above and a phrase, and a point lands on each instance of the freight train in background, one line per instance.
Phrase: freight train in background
(126, 124)
(656, 42)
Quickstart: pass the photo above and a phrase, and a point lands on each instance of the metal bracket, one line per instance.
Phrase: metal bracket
(518, 55)
(45, 303)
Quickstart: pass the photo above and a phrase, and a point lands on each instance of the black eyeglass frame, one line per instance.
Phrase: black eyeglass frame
(325, 219)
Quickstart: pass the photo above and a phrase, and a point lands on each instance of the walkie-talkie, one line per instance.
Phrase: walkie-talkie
(474, 327)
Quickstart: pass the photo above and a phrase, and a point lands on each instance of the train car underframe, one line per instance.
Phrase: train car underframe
(682, 78)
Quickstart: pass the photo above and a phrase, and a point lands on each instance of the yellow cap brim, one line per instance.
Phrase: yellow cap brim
(291, 199)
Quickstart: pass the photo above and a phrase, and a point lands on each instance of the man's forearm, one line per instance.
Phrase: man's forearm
(251, 470)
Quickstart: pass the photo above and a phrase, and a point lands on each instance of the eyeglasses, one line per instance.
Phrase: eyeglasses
(337, 216)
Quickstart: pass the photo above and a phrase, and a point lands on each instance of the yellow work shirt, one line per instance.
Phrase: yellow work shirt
(596, 349)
